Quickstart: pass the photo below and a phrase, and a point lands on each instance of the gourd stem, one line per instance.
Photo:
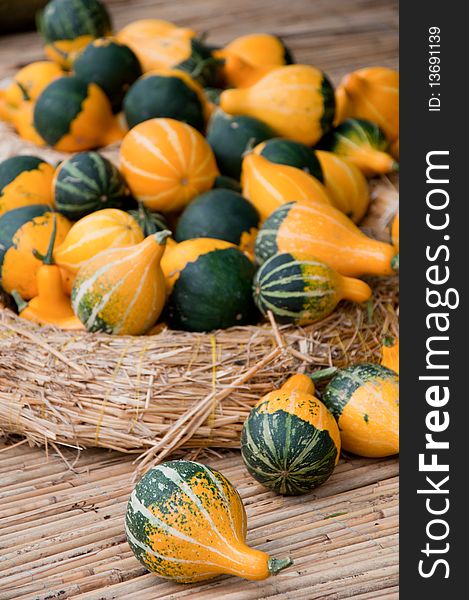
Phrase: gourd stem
(322, 374)
(389, 341)
(47, 258)
(160, 236)
(20, 303)
(277, 564)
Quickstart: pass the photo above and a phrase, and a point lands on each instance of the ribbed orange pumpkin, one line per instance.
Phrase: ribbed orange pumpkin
(166, 163)
(269, 185)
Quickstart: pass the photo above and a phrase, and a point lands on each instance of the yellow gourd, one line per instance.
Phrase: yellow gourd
(239, 73)
(390, 353)
(259, 49)
(345, 184)
(269, 185)
(122, 290)
(372, 94)
(297, 101)
(24, 181)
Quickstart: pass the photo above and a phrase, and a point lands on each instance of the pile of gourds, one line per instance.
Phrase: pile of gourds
(241, 179)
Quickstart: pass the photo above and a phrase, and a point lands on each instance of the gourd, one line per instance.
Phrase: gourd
(364, 399)
(240, 73)
(87, 182)
(110, 65)
(390, 353)
(186, 522)
(223, 182)
(373, 94)
(209, 283)
(149, 222)
(346, 185)
(25, 180)
(72, 116)
(122, 290)
(299, 289)
(363, 143)
(201, 65)
(221, 214)
(297, 101)
(268, 185)
(24, 231)
(259, 49)
(293, 154)
(166, 163)
(166, 93)
(103, 229)
(67, 26)
(22, 119)
(323, 232)
(395, 232)
(230, 137)
(290, 442)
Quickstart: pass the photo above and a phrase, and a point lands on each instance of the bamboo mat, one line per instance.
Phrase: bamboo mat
(62, 535)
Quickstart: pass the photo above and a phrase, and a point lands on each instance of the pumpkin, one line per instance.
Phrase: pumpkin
(299, 289)
(390, 353)
(149, 222)
(187, 523)
(259, 49)
(297, 101)
(67, 26)
(25, 180)
(221, 214)
(24, 231)
(345, 184)
(326, 233)
(103, 229)
(209, 283)
(230, 137)
(364, 399)
(29, 82)
(293, 154)
(71, 116)
(110, 65)
(372, 94)
(86, 182)
(122, 290)
(268, 185)
(157, 44)
(394, 232)
(166, 163)
(290, 442)
(223, 182)
(363, 143)
(167, 93)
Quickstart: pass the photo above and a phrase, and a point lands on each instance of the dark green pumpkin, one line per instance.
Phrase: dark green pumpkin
(87, 182)
(111, 65)
(293, 154)
(154, 96)
(220, 214)
(230, 137)
(149, 222)
(213, 292)
(201, 65)
(69, 19)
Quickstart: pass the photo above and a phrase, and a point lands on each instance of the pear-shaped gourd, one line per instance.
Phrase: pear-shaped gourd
(187, 523)
(269, 185)
(290, 442)
(326, 233)
(297, 101)
(122, 290)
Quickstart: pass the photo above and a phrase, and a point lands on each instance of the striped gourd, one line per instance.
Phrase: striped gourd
(67, 26)
(166, 163)
(87, 182)
(299, 289)
(122, 290)
(187, 523)
(327, 234)
(364, 398)
(290, 442)
(25, 180)
(269, 185)
(103, 229)
(149, 222)
(297, 101)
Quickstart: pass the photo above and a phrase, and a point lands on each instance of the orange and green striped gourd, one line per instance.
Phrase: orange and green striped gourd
(166, 163)
(327, 234)
(186, 522)
(122, 290)
(290, 442)
(25, 180)
(364, 398)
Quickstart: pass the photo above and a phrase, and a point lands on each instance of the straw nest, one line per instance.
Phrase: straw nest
(153, 394)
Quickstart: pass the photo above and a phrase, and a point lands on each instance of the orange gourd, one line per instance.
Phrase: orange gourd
(390, 353)
(327, 234)
(30, 81)
(345, 184)
(372, 94)
(297, 101)
(269, 185)
(239, 73)
(25, 181)
(166, 163)
(395, 232)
